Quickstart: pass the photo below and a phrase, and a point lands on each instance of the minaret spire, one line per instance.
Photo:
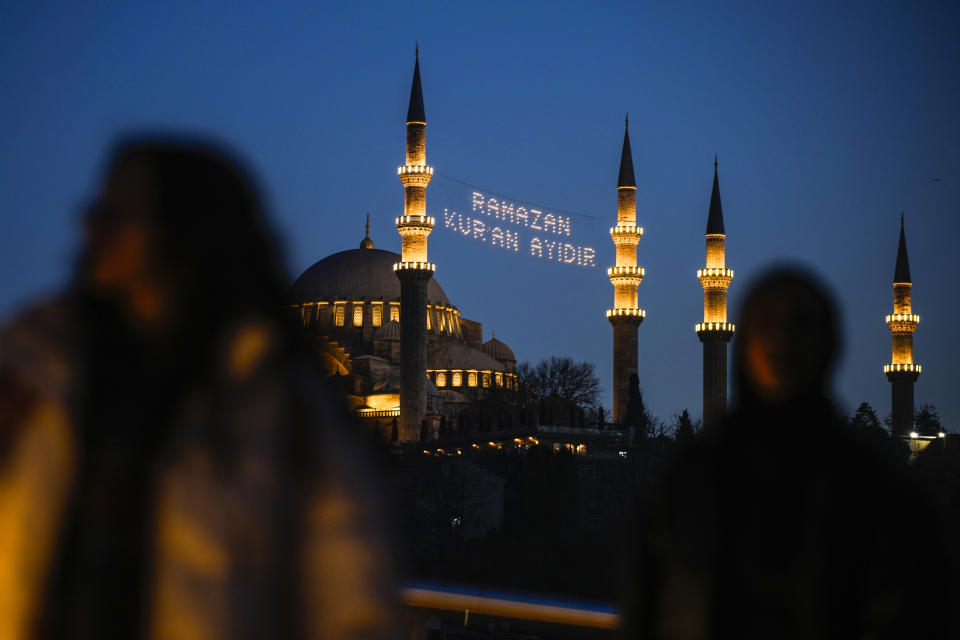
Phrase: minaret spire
(715, 332)
(626, 178)
(715, 216)
(902, 271)
(902, 372)
(415, 112)
(626, 315)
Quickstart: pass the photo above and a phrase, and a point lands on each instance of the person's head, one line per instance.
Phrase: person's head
(177, 238)
(787, 339)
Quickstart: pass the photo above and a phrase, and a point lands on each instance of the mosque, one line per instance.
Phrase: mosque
(350, 305)
(382, 322)
(410, 361)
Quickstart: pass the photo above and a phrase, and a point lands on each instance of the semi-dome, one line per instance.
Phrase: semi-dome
(388, 331)
(499, 350)
(357, 274)
(461, 357)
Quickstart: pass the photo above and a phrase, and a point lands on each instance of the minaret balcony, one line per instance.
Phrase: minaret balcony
(714, 279)
(722, 272)
(412, 169)
(625, 275)
(414, 266)
(902, 322)
(626, 234)
(710, 327)
(415, 175)
(415, 225)
(626, 312)
(898, 368)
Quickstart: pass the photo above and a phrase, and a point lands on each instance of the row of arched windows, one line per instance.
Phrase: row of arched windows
(484, 379)
(439, 319)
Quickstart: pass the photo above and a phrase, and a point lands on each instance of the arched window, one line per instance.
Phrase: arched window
(457, 379)
(441, 379)
(486, 380)
(472, 379)
(499, 378)
(358, 314)
(338, 315)
(377, 315)
(429, 313)
(395, 313)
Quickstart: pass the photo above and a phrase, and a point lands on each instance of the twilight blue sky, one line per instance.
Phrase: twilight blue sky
(828, 120)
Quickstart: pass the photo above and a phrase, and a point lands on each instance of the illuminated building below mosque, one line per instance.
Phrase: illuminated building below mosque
(349, 305)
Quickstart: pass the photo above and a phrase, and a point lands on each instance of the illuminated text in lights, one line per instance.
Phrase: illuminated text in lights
(503, 224)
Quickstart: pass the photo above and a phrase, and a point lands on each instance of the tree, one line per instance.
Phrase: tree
(865, 418)
(683, 427)
(560, 378)
(926, 421)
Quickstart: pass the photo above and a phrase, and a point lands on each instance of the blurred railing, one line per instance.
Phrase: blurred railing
(509, 605)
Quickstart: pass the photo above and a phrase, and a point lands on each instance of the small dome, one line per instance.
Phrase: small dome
(496, 349)
(458, 356)
(388, 331)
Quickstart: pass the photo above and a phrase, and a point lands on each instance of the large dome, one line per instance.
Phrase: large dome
(357, 274)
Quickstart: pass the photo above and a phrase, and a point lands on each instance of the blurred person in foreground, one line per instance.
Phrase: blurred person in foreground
(781, 522)
(171, 465)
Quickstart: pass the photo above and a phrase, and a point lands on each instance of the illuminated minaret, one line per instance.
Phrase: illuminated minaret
(414, 269)
(902, 372)
(715, 332)
(625, 316)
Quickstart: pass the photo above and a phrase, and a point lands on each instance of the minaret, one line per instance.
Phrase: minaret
(715, 332)
(625, 316)
(902, 372)
(414, 269)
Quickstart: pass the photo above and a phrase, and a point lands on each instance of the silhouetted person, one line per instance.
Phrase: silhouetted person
(175, 468)
(780, 522)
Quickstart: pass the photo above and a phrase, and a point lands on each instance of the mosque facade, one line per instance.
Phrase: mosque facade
(409, 360)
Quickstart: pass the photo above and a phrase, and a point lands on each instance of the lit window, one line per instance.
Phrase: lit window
(472, 379)
(486, 380)
(450, 320)
(338, 315)
(395, 313)
(357, 314)
(499, 379)
(377, 315)
(457, 379)
(623, 454)
(441, 379)
(429, 313)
